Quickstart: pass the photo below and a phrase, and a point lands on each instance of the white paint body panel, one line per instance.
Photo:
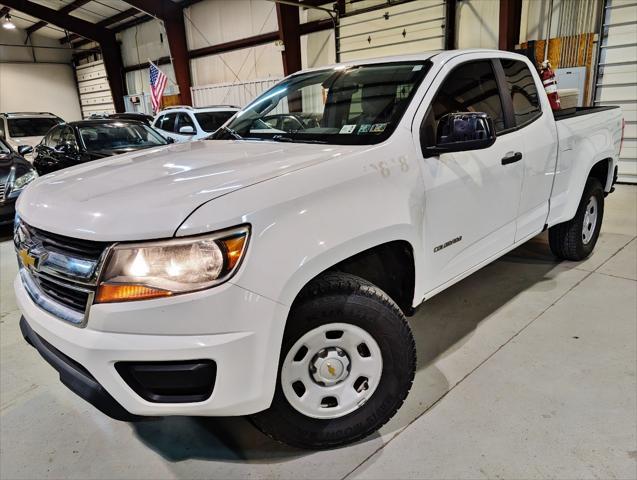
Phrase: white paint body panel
(309, 207)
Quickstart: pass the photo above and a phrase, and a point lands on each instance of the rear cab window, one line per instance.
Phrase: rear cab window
(522, 90)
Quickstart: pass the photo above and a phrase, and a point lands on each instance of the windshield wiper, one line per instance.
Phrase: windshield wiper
(283, 138)
(232, 132)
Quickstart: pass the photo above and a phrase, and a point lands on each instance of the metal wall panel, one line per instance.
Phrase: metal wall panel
(412, 27)
(239, 94)
(617, 75)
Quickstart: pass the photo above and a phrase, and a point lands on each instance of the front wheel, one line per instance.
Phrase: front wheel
(576, 239)
(347, 364)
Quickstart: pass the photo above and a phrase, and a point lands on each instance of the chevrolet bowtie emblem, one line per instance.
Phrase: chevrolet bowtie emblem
(27, 259)
(331, 369)
(32, 258)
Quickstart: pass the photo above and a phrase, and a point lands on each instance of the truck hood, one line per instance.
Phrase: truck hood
(149, 193)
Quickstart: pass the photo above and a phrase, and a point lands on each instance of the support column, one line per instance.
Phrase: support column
(510, 16)
(290, 35)
(176, 31)
(112, 56)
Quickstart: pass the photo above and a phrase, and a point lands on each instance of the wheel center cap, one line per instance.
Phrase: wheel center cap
(330, 366)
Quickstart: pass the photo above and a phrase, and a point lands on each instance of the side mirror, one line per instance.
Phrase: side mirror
(170, 139)
(25, 149)
(462, 131)
(186, 130)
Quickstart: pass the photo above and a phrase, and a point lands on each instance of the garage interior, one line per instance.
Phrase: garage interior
(526, 369)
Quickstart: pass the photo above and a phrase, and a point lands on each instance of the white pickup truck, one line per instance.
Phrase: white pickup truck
(268, 271)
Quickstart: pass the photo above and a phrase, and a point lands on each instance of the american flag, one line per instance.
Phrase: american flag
(157, 85)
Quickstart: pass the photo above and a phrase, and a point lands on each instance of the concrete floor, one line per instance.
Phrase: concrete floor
(526, 370)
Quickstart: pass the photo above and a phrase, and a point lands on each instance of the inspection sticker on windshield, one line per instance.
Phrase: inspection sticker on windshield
(364, 128)
(378, 127)
(347, 128)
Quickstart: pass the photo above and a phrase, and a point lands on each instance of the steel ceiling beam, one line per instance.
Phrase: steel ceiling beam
(64, 10)
(108, 22)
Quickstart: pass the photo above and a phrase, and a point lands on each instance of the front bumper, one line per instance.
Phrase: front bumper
(238, 330)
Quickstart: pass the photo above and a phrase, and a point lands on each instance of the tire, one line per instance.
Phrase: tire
(573, 240)
(340, 302)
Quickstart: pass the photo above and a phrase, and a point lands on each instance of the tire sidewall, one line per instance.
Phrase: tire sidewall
(592, 188)
(385, 326)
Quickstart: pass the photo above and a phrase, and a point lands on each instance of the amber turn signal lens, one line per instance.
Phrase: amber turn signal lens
(121, 293)
(234, 247)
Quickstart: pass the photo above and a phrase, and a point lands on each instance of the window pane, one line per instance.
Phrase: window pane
(526, 104)
(472, 87)
(357, 105)
(167, 122)
(30, 127)
(114, 136)
(53, 137)
(210, 121)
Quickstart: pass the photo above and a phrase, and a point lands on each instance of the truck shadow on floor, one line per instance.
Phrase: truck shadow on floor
(440, 327)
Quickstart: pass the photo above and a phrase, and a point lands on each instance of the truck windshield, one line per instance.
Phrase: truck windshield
(357, 105)
(30, 127)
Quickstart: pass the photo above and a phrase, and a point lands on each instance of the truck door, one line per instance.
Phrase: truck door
(538, 133)
(471, 197)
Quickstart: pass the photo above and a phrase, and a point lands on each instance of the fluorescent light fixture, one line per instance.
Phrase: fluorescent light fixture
(7, 24)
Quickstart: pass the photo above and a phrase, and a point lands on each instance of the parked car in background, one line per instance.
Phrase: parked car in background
(138, 116)
(26, 128)
(72, 143)
(184, 124)
(15, 174)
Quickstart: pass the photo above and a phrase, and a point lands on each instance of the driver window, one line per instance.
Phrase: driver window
(67, 136)
(53, 138)
(471, 87)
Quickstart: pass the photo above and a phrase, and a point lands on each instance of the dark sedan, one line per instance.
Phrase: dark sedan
(73, 143)
(140, 117)
(15, 174)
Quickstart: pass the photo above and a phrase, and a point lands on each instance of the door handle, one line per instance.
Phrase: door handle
(511, 157)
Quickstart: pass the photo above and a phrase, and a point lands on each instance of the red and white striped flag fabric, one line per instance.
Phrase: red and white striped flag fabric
(157, 85)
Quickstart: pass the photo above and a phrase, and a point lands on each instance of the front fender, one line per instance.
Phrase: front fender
(305, 222)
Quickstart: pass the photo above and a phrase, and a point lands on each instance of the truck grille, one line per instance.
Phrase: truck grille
(3, 189)
(73, 296)
(58, 272)
(70, 246)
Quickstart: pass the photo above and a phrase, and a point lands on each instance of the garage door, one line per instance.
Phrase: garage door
(412, 27)
(95, 93)
(617, 75)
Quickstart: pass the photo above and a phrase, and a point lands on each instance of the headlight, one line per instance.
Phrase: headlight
(160, 269)
(23, 180)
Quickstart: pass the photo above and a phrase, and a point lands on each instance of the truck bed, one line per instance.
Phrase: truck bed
(578, 111)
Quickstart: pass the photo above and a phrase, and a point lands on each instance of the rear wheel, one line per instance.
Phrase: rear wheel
(576, 239)
(347, 363)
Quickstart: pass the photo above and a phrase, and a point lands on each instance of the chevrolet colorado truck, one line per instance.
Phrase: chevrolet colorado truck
(269, 271)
